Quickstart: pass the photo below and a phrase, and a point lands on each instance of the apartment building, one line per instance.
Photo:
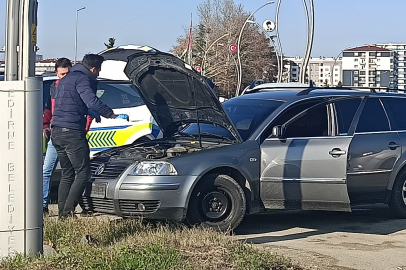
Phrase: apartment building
(323, 71)
(368, 66)
(398, 66)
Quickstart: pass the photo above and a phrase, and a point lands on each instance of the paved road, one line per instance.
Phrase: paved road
(368, 238)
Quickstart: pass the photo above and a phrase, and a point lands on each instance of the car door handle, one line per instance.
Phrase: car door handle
(336, 152)
(393, 145)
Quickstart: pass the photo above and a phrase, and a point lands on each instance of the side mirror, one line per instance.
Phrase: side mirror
(277, 131)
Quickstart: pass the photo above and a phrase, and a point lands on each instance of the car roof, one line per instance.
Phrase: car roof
(292, 93)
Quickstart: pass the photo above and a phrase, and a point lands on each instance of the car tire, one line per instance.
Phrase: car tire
(217, 201)
(397, 202)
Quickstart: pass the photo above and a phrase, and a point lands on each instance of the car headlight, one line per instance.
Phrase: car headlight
(153, 168)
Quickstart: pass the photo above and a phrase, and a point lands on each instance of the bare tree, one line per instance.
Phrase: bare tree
(219, 25)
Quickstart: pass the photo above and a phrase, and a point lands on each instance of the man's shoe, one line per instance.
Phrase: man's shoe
(67, 215)
(45, 209)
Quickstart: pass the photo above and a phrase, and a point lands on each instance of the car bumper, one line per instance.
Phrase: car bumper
(156, 197)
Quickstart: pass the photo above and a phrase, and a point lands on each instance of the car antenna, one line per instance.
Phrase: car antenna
(197, 113)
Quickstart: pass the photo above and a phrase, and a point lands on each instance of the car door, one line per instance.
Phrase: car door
(373, 153)
(306, 168)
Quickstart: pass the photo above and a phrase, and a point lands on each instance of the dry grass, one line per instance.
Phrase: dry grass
(132, 244)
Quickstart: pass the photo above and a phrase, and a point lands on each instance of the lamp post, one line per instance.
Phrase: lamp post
(334, 63)
(273, 44)
(76, 33)
(205, 53)
(238, 45)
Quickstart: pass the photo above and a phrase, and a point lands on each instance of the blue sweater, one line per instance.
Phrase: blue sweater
(75, 94)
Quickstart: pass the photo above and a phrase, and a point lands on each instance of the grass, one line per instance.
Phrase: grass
(95, 243)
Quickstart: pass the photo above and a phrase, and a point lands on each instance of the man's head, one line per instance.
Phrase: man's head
(93, 62)
(62, 67)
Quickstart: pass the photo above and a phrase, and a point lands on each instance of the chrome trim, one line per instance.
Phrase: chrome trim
(149, 186)
(376, 132)
(305, 180)
(369, 172)
(307, 138)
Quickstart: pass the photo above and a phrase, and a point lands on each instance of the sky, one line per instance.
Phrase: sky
(158, 23)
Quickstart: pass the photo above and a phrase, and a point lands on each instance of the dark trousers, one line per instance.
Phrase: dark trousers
(74, 156)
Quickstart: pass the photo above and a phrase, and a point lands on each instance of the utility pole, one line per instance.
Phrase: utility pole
(21, 135)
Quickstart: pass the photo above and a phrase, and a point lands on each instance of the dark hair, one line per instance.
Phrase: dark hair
(62, 63)
(92, 61)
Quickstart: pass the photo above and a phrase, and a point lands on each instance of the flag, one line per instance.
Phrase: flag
(189, 44)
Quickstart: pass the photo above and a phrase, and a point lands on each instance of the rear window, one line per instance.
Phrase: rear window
(396, 108)
(373, 117)
(119, 95)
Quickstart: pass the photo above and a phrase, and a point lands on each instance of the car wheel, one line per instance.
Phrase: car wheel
(398, 199)
(217, 201)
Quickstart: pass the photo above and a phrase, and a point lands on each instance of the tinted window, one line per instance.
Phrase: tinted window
(396, 108)
(313, 123)
(248, 114)
(46, 89)
(373, 117)
(119, 95)
(345, 110)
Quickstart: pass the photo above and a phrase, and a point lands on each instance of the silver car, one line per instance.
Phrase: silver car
(284, 148)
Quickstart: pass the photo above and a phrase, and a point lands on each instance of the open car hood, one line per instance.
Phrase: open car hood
(175, 93)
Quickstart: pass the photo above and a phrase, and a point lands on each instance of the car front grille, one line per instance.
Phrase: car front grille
(134, 207)
(97, 204)
(127, 207)
(101, 168)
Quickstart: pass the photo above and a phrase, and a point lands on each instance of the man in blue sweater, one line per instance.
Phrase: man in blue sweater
(75, 96)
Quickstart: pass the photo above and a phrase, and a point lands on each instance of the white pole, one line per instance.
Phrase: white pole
(21, 142)
(76, 34)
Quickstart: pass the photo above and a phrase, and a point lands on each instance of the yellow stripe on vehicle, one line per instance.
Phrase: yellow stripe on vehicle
(122, 135)
(117, 137)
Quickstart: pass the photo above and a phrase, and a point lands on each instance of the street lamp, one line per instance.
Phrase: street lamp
(334, 63)
(205, 53)
(238, 45)
(76, 33)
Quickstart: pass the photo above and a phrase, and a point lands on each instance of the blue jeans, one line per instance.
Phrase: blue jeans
(50, 161)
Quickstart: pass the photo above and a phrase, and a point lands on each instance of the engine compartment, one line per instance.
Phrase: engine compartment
(154, 150)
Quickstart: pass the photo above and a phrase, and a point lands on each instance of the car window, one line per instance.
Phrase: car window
(373, 117)
(248, 114)
(119, 95)
(289, 113)
(312, 123)
(396, 108)
(45, 94)
(345, 111)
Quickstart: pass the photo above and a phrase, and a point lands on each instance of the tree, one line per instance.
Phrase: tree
(219, 25)
(111, 43)
(339, 84)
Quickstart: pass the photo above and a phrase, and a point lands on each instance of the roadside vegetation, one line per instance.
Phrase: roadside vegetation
(100, 243)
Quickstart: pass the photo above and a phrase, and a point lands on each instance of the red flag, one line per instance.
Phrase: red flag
(189, 42)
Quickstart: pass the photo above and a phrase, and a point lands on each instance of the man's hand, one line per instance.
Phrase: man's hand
(95, 116)
(122, 116)
(46, 132)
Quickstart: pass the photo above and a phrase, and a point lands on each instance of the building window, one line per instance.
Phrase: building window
(293, 69)
(362, 72)
(355, 66)
(372, 54)
(336, 69)
(378, 54)
(356, 60)
(336, 75)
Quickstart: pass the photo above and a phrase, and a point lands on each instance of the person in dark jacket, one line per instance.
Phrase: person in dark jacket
(75, 95)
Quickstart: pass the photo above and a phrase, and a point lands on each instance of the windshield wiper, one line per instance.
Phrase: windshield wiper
(181, 133)
(206, 134)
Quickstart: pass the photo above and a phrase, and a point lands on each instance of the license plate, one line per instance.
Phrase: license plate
(98, 190)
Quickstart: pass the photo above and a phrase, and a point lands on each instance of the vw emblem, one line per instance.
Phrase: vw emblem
(99, 170)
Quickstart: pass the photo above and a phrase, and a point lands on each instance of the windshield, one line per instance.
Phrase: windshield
(246, 115)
